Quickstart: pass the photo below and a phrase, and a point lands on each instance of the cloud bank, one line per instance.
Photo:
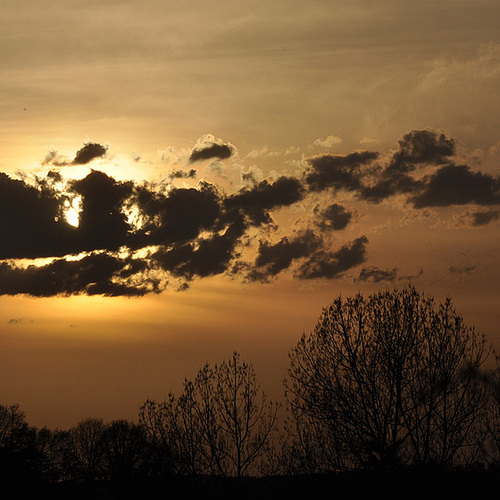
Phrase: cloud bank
(136, 238)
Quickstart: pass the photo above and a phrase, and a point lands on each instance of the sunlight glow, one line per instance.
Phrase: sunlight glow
(72, 211)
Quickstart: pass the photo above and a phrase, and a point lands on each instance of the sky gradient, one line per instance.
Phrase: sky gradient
(179, 180)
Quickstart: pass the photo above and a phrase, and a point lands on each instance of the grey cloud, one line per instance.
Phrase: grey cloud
(274, 258)
(457, 185)
(89, 152)
(463, 269)
(31, 221)
(481, 218)
(328, 264)
(423, 146)
(337, 171)
(255, 202)
(203, 257)
(183, 174)
(95, 274)
(334, 217)
(376, 275)
(220, 151)
(201, 231)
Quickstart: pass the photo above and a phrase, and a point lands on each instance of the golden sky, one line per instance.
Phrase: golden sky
(182, 179)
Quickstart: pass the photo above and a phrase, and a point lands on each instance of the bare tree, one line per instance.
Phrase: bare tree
(310, 446)
(125, 449)
(56, 450)
(244, 417)
(12, 421)
(492, 420)
(389, 380)
(87, 440)
(19, 455)
(163, 426)
(221, 423)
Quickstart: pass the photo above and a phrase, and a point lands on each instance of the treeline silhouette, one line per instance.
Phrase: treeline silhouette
(387, 388)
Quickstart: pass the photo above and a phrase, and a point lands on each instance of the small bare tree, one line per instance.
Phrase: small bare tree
(174, 432)
(125, 452)
(221, 424)
(87, 443)
(20, 457)
(492, 420)
(12, 421)
(244, 419)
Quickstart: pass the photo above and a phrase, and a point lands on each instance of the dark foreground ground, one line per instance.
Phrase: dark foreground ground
(366, 485)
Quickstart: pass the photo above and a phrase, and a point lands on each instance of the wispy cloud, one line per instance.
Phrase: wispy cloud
(328, 142)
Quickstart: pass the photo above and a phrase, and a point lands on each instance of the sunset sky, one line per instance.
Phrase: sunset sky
(184, 179)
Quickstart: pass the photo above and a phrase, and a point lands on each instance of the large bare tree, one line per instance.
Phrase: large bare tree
(387, 380)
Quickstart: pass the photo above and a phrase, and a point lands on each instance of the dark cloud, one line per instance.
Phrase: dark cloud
(481, 218)
(220, 151)
(132, 237)
(95, 274)
(274, 258)
(183, 174)
(411, 277)
(89, 152)
(376, 275)
(55, 159)
(417, 148)
(423, 146)
(336, 171)
(177, 215)
(256, 202)
(334, 217)
(103, 223)
(203, 257)
(252, 176)
(54, 176)
(457, 185)
(327, 264)
(449, 184)
(389, 182)
(31, 221)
